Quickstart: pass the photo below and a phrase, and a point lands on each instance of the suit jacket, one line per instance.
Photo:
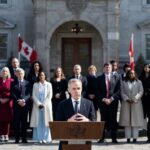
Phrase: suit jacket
(12, 73)
(84, 83)
(20, 93)
(101, 88)
(65, 110)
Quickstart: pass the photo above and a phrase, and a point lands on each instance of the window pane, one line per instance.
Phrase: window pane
(148, 46)
(3, 1)
(148, 1)
(3, 46)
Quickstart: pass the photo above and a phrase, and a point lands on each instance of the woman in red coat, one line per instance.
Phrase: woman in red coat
(5, 104)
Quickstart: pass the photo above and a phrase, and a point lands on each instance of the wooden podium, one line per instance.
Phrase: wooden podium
(76, 132)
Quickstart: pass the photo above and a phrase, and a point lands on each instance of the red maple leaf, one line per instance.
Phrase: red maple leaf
(26, 51)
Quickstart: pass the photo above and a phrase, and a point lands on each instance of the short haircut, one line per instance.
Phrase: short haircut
(20, 70)
(113, 61)
(73, 81)
(77, 65)
(107, 64)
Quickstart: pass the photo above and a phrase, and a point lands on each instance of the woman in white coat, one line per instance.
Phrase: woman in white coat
(131, 113)
(42, 109)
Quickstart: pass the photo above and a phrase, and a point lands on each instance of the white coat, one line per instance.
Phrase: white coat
(131, 114)
(47, 104)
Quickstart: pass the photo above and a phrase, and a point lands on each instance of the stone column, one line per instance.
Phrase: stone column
(40, 12)
(113, 12)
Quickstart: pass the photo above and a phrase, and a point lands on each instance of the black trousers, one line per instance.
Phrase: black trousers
(109, 115)
(20, 122)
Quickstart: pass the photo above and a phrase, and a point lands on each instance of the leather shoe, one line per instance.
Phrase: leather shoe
(101, 141)
(24, 141)
(148, 141)
(134, 141)
(114, 141)
(128, 140)
(16, 141)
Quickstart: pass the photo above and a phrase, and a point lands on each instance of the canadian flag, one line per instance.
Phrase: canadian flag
(26, 51)
(131, 52)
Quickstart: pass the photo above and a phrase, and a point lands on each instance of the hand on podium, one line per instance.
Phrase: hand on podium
(78, 117)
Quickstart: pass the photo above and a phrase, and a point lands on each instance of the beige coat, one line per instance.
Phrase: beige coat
(131, 114)
(47, 103)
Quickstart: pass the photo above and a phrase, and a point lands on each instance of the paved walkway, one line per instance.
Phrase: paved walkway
(140, 145)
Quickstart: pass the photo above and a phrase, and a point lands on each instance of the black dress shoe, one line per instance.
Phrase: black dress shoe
(148, 141)
(16, 141)
(24, 141)
(114, 141)
(134, 140)
(128, 141)
(101, 141)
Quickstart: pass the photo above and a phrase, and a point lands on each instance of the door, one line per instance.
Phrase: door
(76, 51)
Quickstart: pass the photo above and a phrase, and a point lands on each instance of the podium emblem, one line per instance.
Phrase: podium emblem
(77, 131)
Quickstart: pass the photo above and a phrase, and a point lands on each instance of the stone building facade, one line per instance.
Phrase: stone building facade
(106, 29)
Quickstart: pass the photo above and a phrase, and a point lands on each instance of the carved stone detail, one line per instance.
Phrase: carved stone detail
(76, 6)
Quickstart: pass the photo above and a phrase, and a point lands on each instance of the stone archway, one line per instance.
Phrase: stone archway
(90, 33)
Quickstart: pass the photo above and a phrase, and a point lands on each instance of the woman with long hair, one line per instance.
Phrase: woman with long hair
(59, 86)
(131, 113)
(145, 78)
(42, 109)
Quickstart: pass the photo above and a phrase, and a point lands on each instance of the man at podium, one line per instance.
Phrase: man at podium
(76, 108)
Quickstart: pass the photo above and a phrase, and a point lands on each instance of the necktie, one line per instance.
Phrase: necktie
(76, 106)
(108, 87)
(20, 85)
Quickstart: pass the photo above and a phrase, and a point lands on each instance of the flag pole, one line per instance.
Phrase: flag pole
(19, 48)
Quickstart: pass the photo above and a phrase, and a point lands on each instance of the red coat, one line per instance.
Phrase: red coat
(6, 112)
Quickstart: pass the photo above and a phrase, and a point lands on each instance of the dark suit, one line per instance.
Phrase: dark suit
(12, 72)
(108, 112)
(20, 113)
(91, 89)
(65, 110)
(61, 88)
(84, 83)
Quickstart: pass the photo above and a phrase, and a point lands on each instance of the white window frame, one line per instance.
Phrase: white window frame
(143, 43)
(146, 47)
(6, 5)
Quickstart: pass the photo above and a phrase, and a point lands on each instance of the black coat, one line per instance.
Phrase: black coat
(91, 89)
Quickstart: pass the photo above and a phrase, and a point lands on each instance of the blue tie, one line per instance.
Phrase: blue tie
(76, 106)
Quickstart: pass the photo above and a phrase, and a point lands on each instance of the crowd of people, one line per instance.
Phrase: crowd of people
(24, 95)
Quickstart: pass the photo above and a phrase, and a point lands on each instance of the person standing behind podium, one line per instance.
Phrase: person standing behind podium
(42, 109)
(75, 108)
(67, 110)
(77, 74)
(21, 92)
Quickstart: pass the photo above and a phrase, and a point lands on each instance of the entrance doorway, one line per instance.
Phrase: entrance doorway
(76, 51)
